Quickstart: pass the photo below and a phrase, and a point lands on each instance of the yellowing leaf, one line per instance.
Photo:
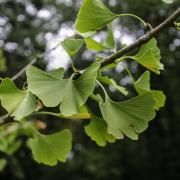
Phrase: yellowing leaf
(97, 131)
(82, 114)
(93, 15)
(49, 149)
(130, 117)
(18, 103)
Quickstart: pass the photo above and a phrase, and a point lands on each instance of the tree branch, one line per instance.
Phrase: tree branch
(40, 56)
(142, 40)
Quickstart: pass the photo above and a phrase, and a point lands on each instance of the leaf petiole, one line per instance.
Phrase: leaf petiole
(138, 18)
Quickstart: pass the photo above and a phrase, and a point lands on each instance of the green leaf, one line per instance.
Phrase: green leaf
(9, 142)
(18, 103)
(82, 114)
(109, 81)
(93, 15)
(130, 117)
(110, 41)
(46, 86)
(97, 131)
(72, 93)
(72, 46)
(3, 66)
(149, 56)
(94, 45)
(142, 85)
(177, 24)
(49, 149)
(3, 164)
(168, 1)
(78, 91)
(57, 73)
(159, 98)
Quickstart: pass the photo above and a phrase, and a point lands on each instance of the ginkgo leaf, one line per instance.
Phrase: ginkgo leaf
(130, 117)
(93, 15)
(142, 85)
(46, 86)
(18, 103)
(49, 149)
(110, 41)
(109, 81)
(159, 98)
(78, 91)
(57, 73)
(97, 131)
(3, 163)
(149, 56)
(72, 46)
(177, 24)
(71, 93)
(82, 114)
(108, 44)
(94, 45)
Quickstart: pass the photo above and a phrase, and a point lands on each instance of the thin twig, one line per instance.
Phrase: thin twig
(40, 56)
(142, 40)
(23, 70)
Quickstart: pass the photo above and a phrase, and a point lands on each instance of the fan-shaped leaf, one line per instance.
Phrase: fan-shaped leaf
(142, 85)
(48, 87)
(72, 46)
(92, 16)
(110, 41)
(78, 91)
(97, 131)
(94, 45)
(149, 56)
(49, 149)
(72, 93)
(18, 103)
(130, 117)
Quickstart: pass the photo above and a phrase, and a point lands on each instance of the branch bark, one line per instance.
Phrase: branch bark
(142, 40)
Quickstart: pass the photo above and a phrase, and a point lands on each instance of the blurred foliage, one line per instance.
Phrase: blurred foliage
(23, 34)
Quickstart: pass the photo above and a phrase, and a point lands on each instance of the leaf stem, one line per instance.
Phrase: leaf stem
(102, 87)
(136, 17)
(129, 73)
(95, 98)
